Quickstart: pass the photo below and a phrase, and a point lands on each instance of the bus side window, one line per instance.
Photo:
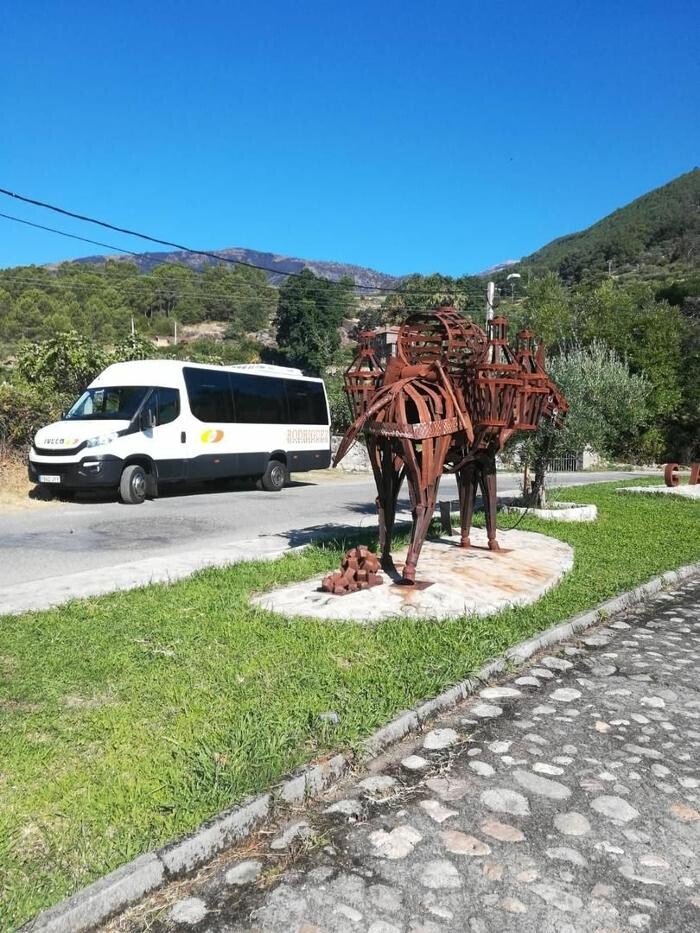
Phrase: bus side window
(307, 403)
(258, 399)
(168, 406)
(209, 394)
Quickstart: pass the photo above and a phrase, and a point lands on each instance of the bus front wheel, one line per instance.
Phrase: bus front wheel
(132, 487)
(274, 477)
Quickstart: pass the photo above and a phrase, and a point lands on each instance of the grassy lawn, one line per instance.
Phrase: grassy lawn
(127, 719)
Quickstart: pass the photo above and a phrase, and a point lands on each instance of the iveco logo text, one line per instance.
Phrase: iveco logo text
(62, 441)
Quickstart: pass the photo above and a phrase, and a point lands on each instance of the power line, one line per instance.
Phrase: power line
(72, 236)
(471, 293)
(235, 262)
(160, 242)
(132, 288)
(51, 280)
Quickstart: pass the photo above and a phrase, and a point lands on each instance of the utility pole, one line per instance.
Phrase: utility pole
(490, 295)
(175, 323)
(132, 326)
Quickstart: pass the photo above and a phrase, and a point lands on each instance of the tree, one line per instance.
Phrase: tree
(607, 405)
(425, 292)
(237, 294)
(62, 365)
(370, 317)
(649, 334)
(547, 311)
(309, 314)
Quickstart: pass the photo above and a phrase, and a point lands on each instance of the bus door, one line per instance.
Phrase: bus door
(163, 434)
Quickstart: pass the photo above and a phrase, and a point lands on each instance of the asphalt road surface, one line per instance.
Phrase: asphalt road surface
(99, 534)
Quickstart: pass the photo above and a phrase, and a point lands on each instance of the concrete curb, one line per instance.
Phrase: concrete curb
(121, 888)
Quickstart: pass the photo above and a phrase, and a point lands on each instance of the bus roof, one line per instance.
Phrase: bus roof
(168, 372)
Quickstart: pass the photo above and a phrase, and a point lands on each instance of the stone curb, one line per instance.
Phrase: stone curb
(121, 888)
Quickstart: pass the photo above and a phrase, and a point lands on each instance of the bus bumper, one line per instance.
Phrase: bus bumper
(89, 473)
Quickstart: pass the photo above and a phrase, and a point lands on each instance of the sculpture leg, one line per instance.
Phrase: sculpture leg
(422, 516)
(487, 481)
(424, 481)
(388, 476)
(466, 488)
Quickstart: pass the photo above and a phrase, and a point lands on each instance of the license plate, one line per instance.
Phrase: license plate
(49, 479)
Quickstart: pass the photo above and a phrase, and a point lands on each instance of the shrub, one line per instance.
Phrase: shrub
(23, 410)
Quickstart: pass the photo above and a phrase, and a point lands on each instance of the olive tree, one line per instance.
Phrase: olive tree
(607, 405)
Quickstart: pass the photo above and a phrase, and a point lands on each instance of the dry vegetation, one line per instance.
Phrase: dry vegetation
(16, 492)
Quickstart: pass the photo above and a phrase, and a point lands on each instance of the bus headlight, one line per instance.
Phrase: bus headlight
(102, 439)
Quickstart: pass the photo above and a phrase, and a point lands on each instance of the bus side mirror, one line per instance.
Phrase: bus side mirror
(148, 419)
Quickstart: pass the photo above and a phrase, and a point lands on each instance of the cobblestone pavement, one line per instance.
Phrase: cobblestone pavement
(564, 799)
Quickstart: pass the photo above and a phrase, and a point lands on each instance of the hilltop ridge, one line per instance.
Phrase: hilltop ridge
(656, 235)
(361, 275)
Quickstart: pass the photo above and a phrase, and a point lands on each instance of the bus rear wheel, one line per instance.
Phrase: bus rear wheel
(132, 486)
(274, 477)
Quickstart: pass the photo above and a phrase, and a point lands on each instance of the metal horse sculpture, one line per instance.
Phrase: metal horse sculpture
(448, 401)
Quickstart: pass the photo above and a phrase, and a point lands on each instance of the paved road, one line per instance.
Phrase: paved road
(91, 546)
(565, 799)
(92, 534)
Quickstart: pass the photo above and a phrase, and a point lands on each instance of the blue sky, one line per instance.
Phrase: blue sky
(443, 136)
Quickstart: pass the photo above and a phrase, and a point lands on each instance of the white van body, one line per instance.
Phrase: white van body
(170, 421)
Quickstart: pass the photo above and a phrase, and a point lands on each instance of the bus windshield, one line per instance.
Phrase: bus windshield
(111, 403)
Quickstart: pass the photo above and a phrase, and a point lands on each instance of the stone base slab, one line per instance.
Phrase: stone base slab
(689, 492)
(463, 581)
(562, 512)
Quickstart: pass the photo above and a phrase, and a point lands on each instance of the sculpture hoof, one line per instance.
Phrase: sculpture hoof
(465, 542)
(494, 545)
(408, 577)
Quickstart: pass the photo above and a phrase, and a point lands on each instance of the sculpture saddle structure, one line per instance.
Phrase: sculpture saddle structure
(448, 401)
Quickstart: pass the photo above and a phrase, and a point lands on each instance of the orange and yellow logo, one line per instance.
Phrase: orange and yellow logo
(212, 436)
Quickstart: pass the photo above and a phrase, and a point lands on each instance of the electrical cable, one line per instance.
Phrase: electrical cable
(151, 239)
(175, 262)
(72, 236)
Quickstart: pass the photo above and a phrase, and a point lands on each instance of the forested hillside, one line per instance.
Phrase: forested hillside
(655, 236)
(99, 301)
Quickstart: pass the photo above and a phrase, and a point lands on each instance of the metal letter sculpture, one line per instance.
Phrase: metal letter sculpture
(447, 402)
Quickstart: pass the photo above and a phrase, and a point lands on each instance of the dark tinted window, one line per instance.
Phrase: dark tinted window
(259, 399)
(307, 402)
(209, 393)
(168, 406)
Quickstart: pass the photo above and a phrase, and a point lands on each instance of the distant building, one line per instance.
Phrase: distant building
(384, 342)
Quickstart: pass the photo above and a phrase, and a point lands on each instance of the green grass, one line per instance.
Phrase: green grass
(125, 720)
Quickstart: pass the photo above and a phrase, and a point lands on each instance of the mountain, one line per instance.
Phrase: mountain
(279, 264)
(655, 236)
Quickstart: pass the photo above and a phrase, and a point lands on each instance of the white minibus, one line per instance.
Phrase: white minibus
(144, 423)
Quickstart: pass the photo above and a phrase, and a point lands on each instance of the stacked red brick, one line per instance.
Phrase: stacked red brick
(358, 571)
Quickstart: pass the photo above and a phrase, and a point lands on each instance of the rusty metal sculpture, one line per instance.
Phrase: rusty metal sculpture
(358, 571)
(448, 401)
